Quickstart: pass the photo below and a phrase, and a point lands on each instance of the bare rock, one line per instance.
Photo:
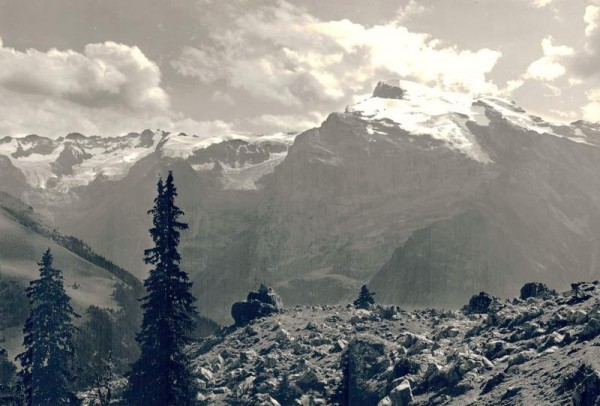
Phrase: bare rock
(401, 395)
(479, 304)
(535, 289)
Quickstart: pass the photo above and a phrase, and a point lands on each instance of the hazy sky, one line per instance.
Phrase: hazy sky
(109, 67)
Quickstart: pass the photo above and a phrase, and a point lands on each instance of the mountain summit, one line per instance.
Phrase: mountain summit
(429, 196)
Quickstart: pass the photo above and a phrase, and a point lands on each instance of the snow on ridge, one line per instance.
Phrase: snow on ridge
(443, 116)
(183, 146)
(247, 176)
(426, 111)
(233, 177)
(113, 157)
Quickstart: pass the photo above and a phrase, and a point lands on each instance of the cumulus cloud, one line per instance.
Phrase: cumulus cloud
(590, 17)
(107, 89)
(542, 3)
(591, 111)
(410, 9)
(278, 53)
(586, 62)
(548, 67)
(103, 74)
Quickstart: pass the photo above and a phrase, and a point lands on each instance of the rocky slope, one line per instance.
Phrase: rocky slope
(541, 348)
(411, 187)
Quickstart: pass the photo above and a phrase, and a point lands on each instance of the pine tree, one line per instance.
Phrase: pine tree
(365, 298)
(7, 372)
(162, 376)
(104, 375)
(46, 363)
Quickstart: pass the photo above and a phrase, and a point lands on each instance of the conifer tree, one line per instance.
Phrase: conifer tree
(46, 363)
(365, 298)
(162, 376)
(7, 372)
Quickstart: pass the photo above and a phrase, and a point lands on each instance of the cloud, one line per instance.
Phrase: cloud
(591, 111)
(590, 17)
(548, 68)
(286, 122)
(412, 8)
(108, 89)
(107, 73)
(222, 97)
(278, 53)
(585, 63)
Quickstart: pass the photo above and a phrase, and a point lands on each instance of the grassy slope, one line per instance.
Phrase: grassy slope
(21, 249)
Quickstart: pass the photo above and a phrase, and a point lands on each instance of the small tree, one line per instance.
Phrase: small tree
(365, 298)
(162, 375)
(104, 375)
(46, 374)
(7, 373)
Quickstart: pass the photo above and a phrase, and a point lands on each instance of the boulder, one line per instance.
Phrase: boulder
(401, 395)
(245, 312)
(591, 329)
(521, 357)
(511, 392)
(479, 304)
(366, 361)
(264, 399)
(205, 375)
(497, 348)
(405, 366)
(267, 295)
(261, 303)
(493, 382)
(587, 393)
(386, 401)
(535, 289)
(283, 337)
(339, 346)
(312, 380)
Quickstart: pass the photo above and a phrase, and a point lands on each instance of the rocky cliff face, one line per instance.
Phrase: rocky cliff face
(430, 196)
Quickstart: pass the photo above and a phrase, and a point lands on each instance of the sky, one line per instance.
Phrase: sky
(215, 67)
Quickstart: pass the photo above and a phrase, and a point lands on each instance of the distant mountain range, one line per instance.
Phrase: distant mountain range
(428, 196)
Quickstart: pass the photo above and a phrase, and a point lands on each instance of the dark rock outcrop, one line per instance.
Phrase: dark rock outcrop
(365, 362)
(479, 304)
(262, 303)
(388, 90)
(535, 289)
(587, 392)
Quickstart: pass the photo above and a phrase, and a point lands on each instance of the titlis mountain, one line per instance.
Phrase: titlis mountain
(428, 197)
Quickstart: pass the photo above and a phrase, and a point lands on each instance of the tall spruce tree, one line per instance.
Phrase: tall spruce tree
(162, 375)
(46, 374)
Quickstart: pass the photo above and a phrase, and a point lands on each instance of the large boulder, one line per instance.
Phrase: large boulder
(401, 395)
(266, 295)
(261, 303)
(535, 289)
(366, 362)
(479, 304)
(587, 393)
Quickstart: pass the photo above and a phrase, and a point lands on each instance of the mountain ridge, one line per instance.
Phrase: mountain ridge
(318, 216)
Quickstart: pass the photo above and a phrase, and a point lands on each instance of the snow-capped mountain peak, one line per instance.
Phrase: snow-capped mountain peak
(420, 110)
(448, 117)
(77, 160)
